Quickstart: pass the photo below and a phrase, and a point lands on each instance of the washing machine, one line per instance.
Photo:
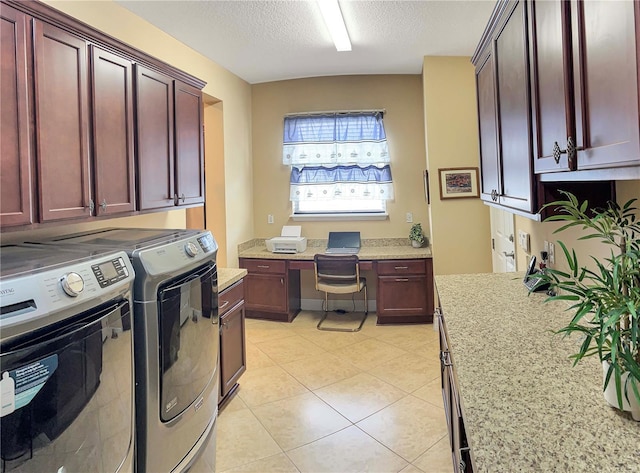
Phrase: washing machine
(176, 334)
(66, 360)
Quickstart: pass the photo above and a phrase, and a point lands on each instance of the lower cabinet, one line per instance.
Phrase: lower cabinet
(460, 450)
(405, 291)
(272, 289)
(233, 361)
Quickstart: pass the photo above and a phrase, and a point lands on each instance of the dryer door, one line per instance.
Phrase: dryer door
(189, 339)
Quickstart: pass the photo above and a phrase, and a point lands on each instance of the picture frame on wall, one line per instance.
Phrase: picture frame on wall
(459, 183)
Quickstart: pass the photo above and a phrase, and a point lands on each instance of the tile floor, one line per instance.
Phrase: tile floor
(317, 401)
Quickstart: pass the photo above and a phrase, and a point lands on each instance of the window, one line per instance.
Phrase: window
(339, 163)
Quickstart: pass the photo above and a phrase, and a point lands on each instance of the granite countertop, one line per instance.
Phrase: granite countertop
(372, 249)
(526, 408)
(228, 276)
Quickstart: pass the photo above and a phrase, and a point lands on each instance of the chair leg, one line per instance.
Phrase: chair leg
(326, 313)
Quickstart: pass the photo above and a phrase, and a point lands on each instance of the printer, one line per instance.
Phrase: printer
(289, 241)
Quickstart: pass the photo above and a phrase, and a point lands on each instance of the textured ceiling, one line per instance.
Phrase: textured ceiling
(263, 41)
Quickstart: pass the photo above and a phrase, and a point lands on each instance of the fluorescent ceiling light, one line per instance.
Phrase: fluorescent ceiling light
(335, 23)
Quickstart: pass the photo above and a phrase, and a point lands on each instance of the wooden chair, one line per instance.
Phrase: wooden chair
(339, 274)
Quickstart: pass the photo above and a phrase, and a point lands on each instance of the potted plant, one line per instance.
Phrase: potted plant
(416, 236)
(605, 300)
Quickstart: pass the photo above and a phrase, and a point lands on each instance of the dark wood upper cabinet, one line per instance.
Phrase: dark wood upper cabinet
(72, 106)
(488, 128)
(113, 132)
(513, 104)
(189, 143)
(62, 126)
(585, 84)
(502, 81)
(606, 48)
(154, 100)
(16, 204)
(170, 141)
(552, 84)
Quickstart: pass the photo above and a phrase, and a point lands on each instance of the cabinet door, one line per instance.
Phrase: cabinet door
(16, 206)
(511, 56)
(605, 53)
(400, 296)
(62, 127)
(488, 130)
(154, 106)
(189, 144)
(112, 94)
(551, 84)
(232, 348)
(266, 292)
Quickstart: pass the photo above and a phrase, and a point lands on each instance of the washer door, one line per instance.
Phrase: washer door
(189, 339)
(66, 401)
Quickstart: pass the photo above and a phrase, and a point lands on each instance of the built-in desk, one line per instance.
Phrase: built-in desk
(404, 280)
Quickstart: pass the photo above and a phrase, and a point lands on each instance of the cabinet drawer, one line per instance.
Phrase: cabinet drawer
(228, 298)
(265, 266)
(398, 267)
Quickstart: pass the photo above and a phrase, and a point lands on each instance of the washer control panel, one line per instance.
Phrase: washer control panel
(110, 272)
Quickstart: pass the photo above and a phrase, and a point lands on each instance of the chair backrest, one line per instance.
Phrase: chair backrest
(338, 269)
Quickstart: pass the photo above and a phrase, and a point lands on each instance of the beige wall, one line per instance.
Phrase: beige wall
(541, 231)
(399, 95)
(461, 232)
(233, 92)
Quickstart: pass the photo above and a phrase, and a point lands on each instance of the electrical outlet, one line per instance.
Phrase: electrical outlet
(552, 253)
(409, 217)
(269, 218)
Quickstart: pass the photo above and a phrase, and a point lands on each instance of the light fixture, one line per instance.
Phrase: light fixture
(335, 23)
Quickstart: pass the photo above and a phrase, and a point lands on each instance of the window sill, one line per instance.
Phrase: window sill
(338, 216)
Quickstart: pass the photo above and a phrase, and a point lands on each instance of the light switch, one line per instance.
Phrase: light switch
(524, 241)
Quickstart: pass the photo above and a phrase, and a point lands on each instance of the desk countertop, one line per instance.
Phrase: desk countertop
(379, 249)
(526, 408)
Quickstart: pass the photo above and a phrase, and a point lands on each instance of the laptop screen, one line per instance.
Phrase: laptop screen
(344, 240)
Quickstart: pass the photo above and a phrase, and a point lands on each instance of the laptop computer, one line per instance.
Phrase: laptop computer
(343, 243)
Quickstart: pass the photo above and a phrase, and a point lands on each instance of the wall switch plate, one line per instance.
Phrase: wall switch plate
(552, 253)
(524, 240)
(269, 218)
(409, 217)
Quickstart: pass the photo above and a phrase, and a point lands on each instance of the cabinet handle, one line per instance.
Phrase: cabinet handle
(226, 303)
(103, 205)
(494, 195)
(402, 280)
(282, 281)
(402, 267)
(263, 266)
(571, 152)
(175, 199)
(509, 255)
(91, 206)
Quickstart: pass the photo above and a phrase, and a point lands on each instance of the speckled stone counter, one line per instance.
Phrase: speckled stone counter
(372, 249)
(526, 408)
(228, 276)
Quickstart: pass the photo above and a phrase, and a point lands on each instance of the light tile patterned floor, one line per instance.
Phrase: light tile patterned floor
(315, 401)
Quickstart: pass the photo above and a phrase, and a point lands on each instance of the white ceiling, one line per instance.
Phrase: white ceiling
(266, 40)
